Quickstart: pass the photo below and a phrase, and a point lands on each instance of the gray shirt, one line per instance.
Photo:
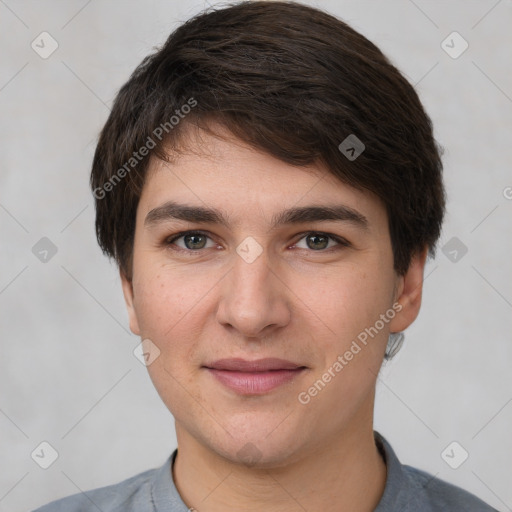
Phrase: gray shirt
(407, 490)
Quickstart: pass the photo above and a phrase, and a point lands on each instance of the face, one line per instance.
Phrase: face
(254, 281)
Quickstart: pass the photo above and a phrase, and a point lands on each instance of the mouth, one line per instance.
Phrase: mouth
(254, 377)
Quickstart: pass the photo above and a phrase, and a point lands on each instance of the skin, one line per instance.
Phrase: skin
(293, 302)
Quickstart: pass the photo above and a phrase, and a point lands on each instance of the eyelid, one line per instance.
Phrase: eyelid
(175, 236)
(169, 240)
(343, 242)
(340, 241)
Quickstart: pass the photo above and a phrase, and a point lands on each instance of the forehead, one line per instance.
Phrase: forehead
(221, 171)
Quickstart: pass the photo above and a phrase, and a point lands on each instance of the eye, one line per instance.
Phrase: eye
(191, 240)
(320, 241)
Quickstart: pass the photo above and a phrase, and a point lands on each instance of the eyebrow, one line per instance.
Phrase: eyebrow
(297, 215)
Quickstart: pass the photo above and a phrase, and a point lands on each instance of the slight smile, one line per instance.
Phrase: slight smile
(254, 377)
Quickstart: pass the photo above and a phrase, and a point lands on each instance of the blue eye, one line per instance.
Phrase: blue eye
(320, 241)
(191, 240)
(194, 241)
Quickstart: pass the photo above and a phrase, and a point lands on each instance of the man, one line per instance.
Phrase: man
(270, 188)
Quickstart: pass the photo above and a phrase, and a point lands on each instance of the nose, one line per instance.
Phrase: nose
(254, 299)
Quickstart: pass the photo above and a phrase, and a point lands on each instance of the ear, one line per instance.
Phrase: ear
(409, 291)
(128, 298)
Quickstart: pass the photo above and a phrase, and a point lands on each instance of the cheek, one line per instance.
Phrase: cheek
(349, 303)
(163, 299)
(347, 300)
(170, 310)
(173, 306)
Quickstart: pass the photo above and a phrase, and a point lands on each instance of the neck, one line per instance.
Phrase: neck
(347, 474)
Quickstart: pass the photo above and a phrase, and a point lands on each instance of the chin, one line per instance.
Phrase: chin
(260, 446)
(255, 456)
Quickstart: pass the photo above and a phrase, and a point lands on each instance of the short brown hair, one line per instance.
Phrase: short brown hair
(287, 79)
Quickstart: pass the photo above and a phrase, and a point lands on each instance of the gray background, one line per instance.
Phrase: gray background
(68, 375)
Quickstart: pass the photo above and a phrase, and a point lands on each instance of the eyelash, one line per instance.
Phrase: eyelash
(169, 241)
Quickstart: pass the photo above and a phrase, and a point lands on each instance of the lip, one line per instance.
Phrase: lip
(257, 365)
(254, 377)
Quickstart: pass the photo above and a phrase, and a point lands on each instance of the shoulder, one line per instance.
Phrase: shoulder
(130, 495)
(410, 489)
(432, 494)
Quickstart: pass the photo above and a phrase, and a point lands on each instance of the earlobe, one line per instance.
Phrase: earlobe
(128, 298)
(409, 293)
